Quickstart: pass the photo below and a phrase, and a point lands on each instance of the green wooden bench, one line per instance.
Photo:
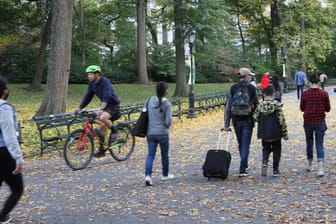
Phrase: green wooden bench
(54, 128)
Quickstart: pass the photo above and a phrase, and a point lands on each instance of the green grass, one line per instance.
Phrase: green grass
(28, 102)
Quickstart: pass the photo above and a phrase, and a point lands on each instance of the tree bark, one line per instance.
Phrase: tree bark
(82, 31)
(181, 87)
(141, 40)
(302, 45)
(45, 31)
(60, 57)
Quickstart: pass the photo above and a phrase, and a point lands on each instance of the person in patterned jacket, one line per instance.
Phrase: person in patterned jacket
(271, 128)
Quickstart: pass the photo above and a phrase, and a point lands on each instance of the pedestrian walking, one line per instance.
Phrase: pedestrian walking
(11, 158)
(300, 80)
(314, 103)
(242, 100)
(323, 80)
(253, 80)
(277, 88)
(160, 119)
(271, 128)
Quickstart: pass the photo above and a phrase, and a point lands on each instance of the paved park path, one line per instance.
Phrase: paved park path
(114, 192)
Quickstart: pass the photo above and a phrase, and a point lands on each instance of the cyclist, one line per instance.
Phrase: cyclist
(110, 103)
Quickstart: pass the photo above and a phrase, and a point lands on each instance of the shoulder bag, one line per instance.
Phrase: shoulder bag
(141, 126)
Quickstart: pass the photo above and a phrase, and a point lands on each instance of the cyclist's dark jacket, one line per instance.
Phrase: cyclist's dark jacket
(103, 90)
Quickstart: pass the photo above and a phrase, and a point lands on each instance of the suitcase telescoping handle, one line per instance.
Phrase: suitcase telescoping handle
(220, 139)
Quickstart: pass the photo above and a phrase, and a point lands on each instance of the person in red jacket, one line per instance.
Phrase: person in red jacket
(265, 81)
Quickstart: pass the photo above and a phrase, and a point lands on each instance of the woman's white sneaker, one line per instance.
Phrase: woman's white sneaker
(169, 177)
(320, 173)
(148, 181)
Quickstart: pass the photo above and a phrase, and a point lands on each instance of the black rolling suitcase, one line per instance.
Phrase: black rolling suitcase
(217, 161)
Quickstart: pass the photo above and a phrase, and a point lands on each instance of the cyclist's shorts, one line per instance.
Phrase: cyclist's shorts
(114, 111)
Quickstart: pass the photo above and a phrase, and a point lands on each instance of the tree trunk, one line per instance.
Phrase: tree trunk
(59, 60)
(164, 34)
(241, 33)
(82, 31)
(181, 87)
(275, 22)
(45, 31)
(141, 53)
(284, 41)
(302, 45)
(152, 30)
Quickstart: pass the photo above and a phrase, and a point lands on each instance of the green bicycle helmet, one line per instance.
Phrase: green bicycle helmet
(93, 69)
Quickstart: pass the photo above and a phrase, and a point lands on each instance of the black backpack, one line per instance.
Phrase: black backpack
(241, 105)
(269, 127)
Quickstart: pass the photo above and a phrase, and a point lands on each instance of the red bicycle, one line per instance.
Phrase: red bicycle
(80, 144)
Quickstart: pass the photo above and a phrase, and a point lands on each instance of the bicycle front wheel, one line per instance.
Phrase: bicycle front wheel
(78, 150)
(123, 147)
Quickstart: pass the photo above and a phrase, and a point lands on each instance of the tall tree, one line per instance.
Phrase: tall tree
(181, 88)
(141, 40)
(43, 7)
(60, 56)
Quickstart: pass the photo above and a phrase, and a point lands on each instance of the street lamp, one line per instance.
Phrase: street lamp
(191, 40)
(284, 73)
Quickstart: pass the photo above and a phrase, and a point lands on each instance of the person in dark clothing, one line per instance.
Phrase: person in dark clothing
(11, 158)
(243, 123)
(271, 128)
(110, 103)
(277, 87)
(314, 103)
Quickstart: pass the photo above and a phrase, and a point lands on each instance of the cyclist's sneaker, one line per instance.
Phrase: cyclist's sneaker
(7, 219)
(264, 170)
(247, 169)
(243, 174)
(276, 173)
(310, 169)
(320, 173)
(114, 136)
(99, 154)
(168, 177)
(100, 134)
(148, 181)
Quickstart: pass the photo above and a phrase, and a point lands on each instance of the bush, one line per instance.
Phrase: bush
(19, 63)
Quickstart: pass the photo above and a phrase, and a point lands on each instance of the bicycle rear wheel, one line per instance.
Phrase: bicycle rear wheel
(123, 147)
(78, 151)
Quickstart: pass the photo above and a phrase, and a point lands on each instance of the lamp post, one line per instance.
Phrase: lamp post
(191, 40)
(284, 73)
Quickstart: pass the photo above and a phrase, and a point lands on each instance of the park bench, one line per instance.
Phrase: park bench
(55, 128)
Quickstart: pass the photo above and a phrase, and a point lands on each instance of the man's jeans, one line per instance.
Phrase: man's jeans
(243, 129)
(152, 142)
(319, 131)
(299, 90)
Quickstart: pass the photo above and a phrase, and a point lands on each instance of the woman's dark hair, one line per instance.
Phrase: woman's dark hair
(161, 89)
(269, 90)
(314, 79)
(276, 82)
(3, 85)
